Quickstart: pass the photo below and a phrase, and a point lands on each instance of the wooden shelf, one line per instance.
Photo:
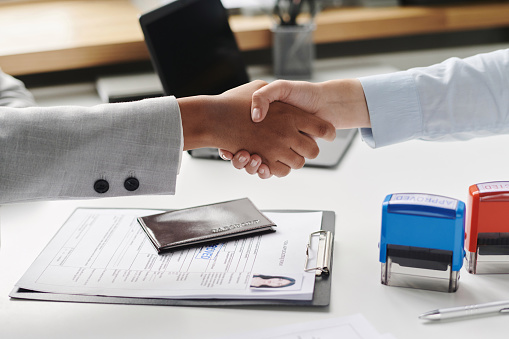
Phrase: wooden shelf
(46, 36)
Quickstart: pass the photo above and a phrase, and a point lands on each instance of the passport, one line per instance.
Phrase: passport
(204, 224)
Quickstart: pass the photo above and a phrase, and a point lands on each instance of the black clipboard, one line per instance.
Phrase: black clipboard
(321, 295)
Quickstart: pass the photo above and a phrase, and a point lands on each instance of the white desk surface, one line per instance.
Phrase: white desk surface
(355, 191)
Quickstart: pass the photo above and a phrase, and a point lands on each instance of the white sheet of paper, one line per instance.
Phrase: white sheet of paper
(105, 252)
(349, 327)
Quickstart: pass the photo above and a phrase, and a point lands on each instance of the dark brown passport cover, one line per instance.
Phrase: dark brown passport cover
(207, 223)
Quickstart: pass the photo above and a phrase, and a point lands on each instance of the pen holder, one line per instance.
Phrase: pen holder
(293, 51)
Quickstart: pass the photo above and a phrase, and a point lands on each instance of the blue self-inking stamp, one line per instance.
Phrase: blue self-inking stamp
(422, 241)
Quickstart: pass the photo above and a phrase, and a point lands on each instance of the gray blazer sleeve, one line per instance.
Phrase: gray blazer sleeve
(89, 152)
(13, 92)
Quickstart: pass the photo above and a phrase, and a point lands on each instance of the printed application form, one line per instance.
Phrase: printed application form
(105, 252)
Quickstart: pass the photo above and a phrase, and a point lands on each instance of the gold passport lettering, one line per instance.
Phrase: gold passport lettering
(232, 226)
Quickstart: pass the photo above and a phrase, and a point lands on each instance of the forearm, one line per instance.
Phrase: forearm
(344, 103)
(201, 121)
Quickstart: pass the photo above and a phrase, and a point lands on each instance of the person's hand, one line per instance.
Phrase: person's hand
(284, 121)
(282, 140)
(301, 94)
(297, 93)
(251, 163)
(341, 102)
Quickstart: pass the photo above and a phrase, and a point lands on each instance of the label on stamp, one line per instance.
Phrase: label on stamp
(495, 186)
(424, 200)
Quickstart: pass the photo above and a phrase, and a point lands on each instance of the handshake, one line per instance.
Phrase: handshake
(270, 129)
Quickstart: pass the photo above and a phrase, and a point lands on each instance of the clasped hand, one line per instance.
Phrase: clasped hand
(339, 102)
(280, 142)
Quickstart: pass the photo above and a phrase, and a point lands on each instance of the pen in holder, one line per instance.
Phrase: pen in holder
(293, 47)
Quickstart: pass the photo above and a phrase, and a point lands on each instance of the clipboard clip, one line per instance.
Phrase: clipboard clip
(323, 254)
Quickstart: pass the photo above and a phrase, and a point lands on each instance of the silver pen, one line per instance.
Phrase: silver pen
(465, 311)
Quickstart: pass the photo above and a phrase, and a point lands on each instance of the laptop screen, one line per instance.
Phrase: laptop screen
(192, 48)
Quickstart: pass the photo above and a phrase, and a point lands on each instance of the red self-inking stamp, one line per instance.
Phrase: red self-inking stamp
(487, 228)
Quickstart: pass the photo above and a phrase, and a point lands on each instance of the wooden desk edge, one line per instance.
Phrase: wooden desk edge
(253, 33)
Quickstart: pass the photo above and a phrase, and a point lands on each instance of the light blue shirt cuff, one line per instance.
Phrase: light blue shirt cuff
(394, 109)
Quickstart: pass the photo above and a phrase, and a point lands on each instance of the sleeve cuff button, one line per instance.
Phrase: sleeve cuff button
(101, 186)
(131, 184)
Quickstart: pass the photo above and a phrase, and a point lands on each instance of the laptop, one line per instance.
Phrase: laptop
(193, 51)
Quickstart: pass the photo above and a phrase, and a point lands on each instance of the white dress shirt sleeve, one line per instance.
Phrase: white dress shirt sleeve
(457, 99)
